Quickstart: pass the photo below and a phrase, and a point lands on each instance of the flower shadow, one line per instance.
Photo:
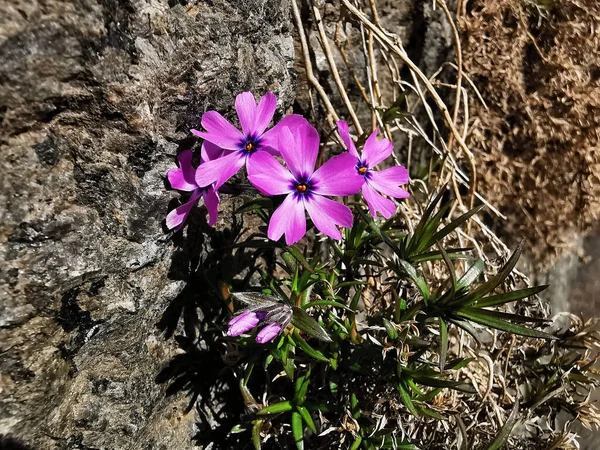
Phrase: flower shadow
(208, 261)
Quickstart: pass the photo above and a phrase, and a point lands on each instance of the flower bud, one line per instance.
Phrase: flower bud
(268, 333)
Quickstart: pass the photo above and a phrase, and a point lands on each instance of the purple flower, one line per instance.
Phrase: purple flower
(240, 145)
(376, 183)
(305, 187)
(268, 333)
(262, 310)
(242, 323)
(183, 179)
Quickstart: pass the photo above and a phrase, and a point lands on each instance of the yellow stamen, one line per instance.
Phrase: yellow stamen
(301, 188)
(362, 169)
(249, 146)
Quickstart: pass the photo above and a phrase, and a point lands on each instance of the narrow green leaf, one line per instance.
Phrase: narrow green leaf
(467, 327)
(424, 239)
(301, 320)
(457, 364)
(496, 280)
(484, 318)
(257, 203)
(347, 284)
(455, 224)
(276, 408)
(508, 297)
(406, 399)
(419, 281)
(501, 315)
(451, 384)
(391, 329)
(298, 430)
(506, 429)
(443, 343)
(302, 383)
(430, 413)
(307, 418)
(316, 354)
(471, 275)
(451, 270)
(256, 434)
(326, 303)
(298, 256)
(453, 253)
(356, 444)
(427, 214)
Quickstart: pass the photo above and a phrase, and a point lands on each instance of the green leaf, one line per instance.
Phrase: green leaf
(453, 253)
(298, 256)
(488, 318)
(502, 315)
(451, 384)
(302, 383)
(326, 303)
(457, 364)
(301, 320)
(406, 398)
(443, 342)
(298, 430)
(307, 418)
(256, 434)
(419, 281)
(506, 429)
(455, 224)
(495, 281)
(276, 408)
(356, 444)
(471, 275)
(391, 329)
(316, 354)
(257, 203)
(507, 297)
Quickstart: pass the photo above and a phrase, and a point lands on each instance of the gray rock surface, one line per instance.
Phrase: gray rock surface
(96, 99)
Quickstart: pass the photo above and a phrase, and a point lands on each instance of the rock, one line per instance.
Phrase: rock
(97, 99)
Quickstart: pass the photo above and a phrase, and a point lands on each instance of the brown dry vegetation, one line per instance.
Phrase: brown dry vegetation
(537, 66)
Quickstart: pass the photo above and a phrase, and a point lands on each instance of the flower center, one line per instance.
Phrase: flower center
(362, 168)
(250, 144)
(303, 187)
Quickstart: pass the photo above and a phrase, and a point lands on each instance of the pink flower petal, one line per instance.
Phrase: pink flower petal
(326, 214)
(299, 149)
(211, 200)
(268, 175)
(220, 170)
(268, 333)
(376, 151)
(242, 323)
(345, 135)
(219, 131)
(387, 181)
(245, 105)
(270, 139)
(377, 203)
(288, 219)
(338, 176)
(264, 112)
(176, 218)
(210, 151)
(182, 178)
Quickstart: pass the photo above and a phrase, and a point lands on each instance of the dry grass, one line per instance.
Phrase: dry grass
(538, 142)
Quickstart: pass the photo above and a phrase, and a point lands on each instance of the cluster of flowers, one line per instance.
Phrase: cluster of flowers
(226, 150)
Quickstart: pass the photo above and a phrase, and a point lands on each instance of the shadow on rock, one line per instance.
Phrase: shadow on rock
(206, 260)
